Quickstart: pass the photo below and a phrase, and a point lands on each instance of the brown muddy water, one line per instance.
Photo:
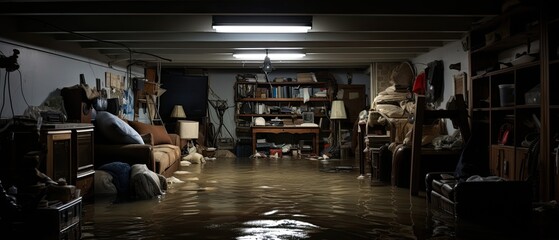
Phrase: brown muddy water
(241, 198)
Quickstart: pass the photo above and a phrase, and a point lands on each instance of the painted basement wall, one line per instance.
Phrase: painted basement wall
(43, 72)
(450, 54)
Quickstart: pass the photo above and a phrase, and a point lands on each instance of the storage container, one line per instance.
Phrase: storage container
(506, 93)
(533, 96)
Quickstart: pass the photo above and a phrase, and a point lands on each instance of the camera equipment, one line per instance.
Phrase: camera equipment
(9, 63)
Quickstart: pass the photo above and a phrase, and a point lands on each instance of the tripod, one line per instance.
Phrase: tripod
(219, 106)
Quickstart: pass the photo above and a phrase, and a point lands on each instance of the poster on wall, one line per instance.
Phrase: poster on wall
(460, 81)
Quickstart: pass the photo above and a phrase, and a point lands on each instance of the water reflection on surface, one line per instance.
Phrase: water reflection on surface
(268, 199)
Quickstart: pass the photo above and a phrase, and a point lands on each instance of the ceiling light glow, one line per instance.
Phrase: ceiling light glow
(272, 56)
(261, 24)
(261, 29)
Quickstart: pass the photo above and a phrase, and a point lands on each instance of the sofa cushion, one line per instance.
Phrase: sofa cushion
(103, 183)
(158, 132)
(165, 155)
(120, 173)
(145, 183)
(115, 129)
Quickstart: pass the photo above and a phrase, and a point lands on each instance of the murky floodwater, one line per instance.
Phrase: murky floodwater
(270, 199)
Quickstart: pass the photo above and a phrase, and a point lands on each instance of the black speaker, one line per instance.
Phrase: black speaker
(78, 107)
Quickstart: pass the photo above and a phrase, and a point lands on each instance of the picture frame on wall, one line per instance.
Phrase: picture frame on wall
(460, 87)
(308, 117)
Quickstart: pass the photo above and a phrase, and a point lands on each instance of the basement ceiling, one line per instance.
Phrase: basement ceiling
(344, 34)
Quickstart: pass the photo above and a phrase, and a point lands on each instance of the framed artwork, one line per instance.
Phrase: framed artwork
(308, 117)
(460, 81)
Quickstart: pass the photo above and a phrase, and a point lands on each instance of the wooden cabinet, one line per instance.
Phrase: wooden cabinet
(354, 100)
(82, 153)
(58, 163)
(506, 68)
(514, 64)
(550, 102)
(509, 162)
(69, 154)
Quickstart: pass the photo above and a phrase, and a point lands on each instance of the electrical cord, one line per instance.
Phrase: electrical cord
(21, 88)
(4, 95)
(101, 40)
(7, 89)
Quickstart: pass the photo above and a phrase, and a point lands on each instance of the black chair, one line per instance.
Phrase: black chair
(507, 202)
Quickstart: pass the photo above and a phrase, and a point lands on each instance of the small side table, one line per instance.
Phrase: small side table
(376, 141)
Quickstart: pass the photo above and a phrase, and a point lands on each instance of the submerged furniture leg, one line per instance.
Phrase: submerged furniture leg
(360, 138)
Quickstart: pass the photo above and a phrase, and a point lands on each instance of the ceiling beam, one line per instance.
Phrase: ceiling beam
(407, 7)
(308, 50)
(263, 45)
(288, 37)
(198, 23)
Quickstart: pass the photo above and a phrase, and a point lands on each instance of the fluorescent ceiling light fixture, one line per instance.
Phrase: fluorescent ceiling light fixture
(272, 56)
(262, 24)
(261, 29)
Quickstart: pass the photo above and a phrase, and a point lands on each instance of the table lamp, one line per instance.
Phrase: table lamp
(178, 112)
(188, 130)
(338, 113)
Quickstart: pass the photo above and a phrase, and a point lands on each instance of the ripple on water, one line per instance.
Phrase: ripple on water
(264, 199)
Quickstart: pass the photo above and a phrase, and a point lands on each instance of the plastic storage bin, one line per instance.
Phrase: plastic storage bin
(533, 96)
(506, 93)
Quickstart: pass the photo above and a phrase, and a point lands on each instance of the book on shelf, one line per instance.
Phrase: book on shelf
(261, 92)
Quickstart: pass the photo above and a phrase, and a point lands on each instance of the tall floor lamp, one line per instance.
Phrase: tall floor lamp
(338, 113)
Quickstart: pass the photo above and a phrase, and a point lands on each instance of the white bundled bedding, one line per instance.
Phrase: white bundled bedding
(392, 103)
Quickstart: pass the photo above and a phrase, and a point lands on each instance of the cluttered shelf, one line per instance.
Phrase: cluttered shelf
(275, 99)
(277, 115)
(288, 129)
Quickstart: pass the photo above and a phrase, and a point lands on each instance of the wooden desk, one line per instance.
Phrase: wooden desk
(286, 129)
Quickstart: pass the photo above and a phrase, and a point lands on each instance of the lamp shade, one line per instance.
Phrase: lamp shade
(178, 112)
(188, 129)
(338, 110)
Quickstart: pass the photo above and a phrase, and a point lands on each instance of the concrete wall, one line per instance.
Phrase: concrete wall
(43, 72)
